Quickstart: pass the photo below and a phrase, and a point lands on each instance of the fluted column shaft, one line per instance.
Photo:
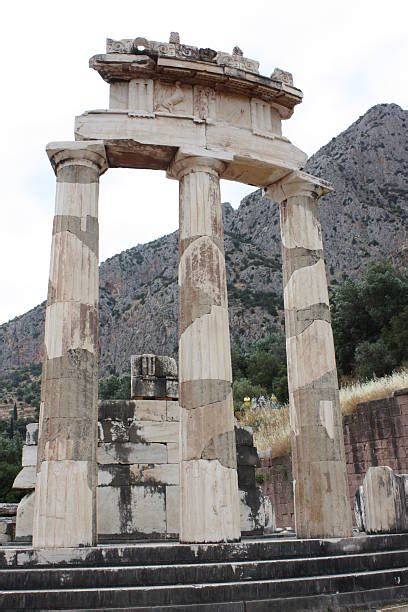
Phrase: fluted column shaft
(65, 497)
(209, 504)
(322, 507)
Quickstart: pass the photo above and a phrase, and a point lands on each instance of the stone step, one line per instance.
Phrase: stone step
(198, 593)
(164, 553)
(198, 573)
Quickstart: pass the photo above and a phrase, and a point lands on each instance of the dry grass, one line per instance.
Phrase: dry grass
(378, 388)
(272, 428)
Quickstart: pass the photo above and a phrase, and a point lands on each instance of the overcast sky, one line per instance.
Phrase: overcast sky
(345, 55)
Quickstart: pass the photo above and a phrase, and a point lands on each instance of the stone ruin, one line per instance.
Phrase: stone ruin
(155, 467)
(138, 463)
(201, 116)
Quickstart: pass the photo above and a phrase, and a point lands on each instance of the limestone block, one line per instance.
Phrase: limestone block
(118, 95)
(384, 501)
(138, 474)
(173, 452)
(134, 511)
(6, 529)
(68, 502)
(210, 492)
(7, 509)
(173, 510)
(359, 510)
(127, 453)
(29, 456)
(256, 512)
(25, 479)
(31, 434)
(173, 411)
(25, 515)
(150, 410)
(145, 431)
(130, 410)
(244, 436)
(141, 96)
(153, 376)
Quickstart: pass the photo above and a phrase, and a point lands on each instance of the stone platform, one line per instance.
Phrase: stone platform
(254, 575)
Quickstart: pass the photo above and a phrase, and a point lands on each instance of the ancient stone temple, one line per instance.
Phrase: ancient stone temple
(201, 116)
(160, 469)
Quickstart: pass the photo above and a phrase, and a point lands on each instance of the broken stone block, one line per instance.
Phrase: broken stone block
(7, 528)
(25, 515)
(385, 501)
(31, 434)
(153, 376)
(359, 511)
(8, 509)
(25, 479)
(29, 455)
(256, 512)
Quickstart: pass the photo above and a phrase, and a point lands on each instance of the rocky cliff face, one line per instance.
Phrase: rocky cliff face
(364, 219)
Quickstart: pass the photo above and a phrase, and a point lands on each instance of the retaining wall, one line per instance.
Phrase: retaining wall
(376, 434)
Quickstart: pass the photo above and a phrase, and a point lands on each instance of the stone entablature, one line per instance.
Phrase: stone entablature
(166, 98)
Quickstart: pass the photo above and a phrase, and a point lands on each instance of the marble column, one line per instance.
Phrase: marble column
(322, 507)
(209, 503)
(65, 493)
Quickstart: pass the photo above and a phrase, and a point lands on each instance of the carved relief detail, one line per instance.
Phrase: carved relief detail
(233, 109)
(283, 76)
(204, 102)
(173, 98)
(141, 96)
(237, 61)
(265, 119)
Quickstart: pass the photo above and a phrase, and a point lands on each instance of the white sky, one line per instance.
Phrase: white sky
(345, 55)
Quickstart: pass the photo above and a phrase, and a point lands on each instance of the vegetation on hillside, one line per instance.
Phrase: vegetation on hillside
(370, 326)
(370, 322)
(21, 385)
(272, 427)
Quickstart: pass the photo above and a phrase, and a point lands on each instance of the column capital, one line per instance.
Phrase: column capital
(90, 153)
(297, 183)
(184, 163)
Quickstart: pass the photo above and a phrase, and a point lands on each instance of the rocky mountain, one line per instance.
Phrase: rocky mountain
(364, 219)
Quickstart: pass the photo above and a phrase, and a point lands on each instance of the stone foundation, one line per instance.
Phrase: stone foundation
(138, 474)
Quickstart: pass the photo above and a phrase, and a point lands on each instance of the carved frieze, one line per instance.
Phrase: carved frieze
(204, 102)
(176, 50)
(265, 119)
(173, 98)
(160, 49)
(119, 95)
(233, 109)
(141, 96)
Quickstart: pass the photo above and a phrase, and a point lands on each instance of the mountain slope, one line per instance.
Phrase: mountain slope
(364, 219)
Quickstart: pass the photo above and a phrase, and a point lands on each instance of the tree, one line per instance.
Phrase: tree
(369, 321)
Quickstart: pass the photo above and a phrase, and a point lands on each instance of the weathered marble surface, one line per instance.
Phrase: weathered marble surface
(65, 508)
(209, 489)
(319, 468)
(153, 376)
(385, 501)
(138, 492)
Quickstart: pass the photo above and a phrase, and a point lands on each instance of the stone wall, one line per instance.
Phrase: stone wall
(376, 434)
(138, 474)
